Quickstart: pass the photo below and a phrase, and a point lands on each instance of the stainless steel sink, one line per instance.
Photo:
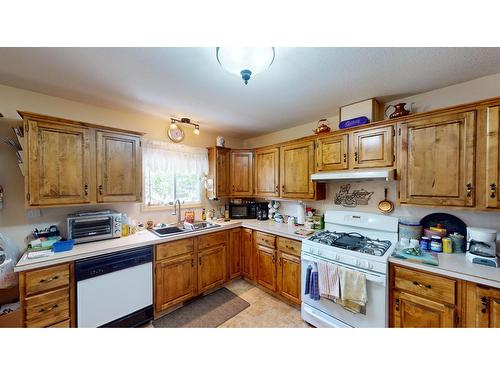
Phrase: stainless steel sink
(180, 228)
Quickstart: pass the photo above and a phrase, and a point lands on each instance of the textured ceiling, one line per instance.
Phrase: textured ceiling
(303, 84)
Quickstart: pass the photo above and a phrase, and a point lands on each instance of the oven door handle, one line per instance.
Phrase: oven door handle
(377, 279)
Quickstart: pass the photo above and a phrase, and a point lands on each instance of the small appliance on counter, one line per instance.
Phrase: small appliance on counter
(262, 211)
(242, 209)
(94, 226)
(482, 247)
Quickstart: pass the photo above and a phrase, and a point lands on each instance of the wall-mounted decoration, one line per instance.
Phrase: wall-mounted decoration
(352, 199)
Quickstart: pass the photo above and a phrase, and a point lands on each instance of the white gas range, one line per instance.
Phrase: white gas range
(358, 241)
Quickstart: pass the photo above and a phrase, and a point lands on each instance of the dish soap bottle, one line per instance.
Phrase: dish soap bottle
(203, 215)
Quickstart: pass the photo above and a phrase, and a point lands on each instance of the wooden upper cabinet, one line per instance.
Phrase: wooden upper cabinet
(493, 157)
(372, 148)
(219, 161)
(436, 160)
(296, 167)
(119, 167)
(241, 173)
(482, 306)
(332, 153)
(58, 164)
(267, 172)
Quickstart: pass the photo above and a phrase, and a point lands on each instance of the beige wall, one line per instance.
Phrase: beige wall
(14, 220)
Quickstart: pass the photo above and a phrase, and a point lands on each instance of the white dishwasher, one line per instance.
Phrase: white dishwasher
(115, 290)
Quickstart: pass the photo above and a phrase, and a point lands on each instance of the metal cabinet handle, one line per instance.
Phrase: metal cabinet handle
(397, 304)
(192, 262)
(280, 262)
(356, 156)
(199, 261)
(277, 189)
(100, 189)
(48, 308)
(273, 259)
(493, 190)
(469, 189)
(345, 157)
(283, 188)
(484, 304)
(86, 189)
(422, 285)
(49, 279)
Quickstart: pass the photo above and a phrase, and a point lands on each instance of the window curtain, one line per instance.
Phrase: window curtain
(171, 158)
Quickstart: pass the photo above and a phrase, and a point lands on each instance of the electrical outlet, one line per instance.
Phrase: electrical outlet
(33, 212)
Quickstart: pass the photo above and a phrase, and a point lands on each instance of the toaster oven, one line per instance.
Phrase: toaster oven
(94, 226)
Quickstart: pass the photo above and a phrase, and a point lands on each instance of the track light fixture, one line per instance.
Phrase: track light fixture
(184, 121)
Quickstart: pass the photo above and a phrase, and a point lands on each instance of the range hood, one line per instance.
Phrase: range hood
(358, 175)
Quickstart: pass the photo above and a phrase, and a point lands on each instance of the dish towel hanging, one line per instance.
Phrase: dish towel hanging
(329, 283)
(307, 287)
(353, 295)
(314, 284)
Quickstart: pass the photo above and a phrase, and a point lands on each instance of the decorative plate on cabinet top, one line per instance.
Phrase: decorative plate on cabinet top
(176, 135)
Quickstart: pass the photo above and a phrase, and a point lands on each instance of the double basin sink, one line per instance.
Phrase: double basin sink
(172, 230)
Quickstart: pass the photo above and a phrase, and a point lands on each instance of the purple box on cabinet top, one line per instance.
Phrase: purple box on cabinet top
(354, 122)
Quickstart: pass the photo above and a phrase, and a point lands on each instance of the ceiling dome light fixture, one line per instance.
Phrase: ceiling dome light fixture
(245, 62)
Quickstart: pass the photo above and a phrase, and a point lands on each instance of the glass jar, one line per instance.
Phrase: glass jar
(436, 244)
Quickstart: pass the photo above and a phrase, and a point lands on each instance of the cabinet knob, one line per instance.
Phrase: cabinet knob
(469, 188)
(493, 190)
(273, 259)
(192, 262)
(356, 156)
(277, 189)
(199, 261)
(396, 302)
(100, 189)
(283, 188)
(345, 157)
(86, 189)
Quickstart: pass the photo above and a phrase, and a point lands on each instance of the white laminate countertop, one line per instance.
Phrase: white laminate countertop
(144, 238)
(457, 266)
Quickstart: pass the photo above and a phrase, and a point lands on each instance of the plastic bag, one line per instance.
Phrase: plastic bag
(11, 254)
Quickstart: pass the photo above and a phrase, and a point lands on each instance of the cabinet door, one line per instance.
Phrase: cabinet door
(332, 153)
(234, 253)
(174, 281)
(373, 148)
(289, 277)
(211, 268)
(119, 167)
(482, 306)
(410, 311)
(59, 168)
(267, 173)
(247, 254)
(493, 157)
(222, 177)
(436, 160)
(296, 167)
(242, 173)
(266, 267)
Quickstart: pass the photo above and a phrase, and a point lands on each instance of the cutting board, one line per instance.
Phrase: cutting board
(427, 257)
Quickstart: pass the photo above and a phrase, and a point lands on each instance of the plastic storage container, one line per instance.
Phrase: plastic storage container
(60, 246)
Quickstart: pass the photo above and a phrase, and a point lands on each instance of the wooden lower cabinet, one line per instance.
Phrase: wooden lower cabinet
(175, 281)
(482, 306)
(248, 254)
(411, 311)
(234, 253)
(47, 296)
(211, 268)
(266, 267)
(289, 277)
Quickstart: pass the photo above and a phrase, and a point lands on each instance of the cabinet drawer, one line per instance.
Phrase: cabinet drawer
(47, 278)
(173, 249)
(425, 284)
(265, 239)
(292, 247)
(210, 240)
(48, 308)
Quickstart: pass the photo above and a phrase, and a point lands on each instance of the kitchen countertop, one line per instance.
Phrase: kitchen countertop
(457, 266)
(144, 238)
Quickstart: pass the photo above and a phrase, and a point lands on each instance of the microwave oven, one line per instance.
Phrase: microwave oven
(94, 226)
(242, 209)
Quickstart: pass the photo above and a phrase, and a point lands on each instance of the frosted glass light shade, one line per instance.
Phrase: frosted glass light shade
(245, 62)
